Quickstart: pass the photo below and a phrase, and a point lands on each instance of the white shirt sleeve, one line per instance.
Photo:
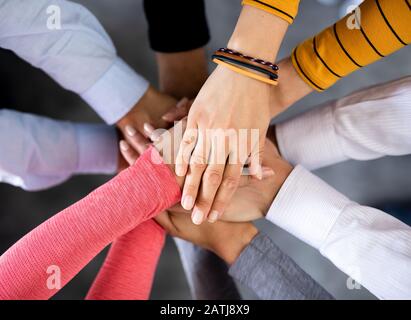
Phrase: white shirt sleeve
(38, 153)
(370, 246)
(366, 125)
(80, 56)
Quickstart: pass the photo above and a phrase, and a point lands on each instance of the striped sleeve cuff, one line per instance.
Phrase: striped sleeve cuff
(285, 9)
(116, 92)
(373, 31)
(307, 207)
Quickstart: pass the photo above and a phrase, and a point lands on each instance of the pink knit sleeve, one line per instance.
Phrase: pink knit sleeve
(129, 269)
(44, 260)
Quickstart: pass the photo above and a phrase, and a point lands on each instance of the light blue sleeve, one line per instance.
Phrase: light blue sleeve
(37, 152)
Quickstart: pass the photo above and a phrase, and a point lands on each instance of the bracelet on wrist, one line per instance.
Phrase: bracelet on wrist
(255, 68)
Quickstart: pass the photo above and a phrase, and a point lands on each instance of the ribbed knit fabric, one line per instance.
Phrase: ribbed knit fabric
(70, 239)
(285, 9)
(273, 275)
(129, 269)
(377, 29)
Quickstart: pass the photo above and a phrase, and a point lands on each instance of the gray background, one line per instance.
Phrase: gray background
(26, 89)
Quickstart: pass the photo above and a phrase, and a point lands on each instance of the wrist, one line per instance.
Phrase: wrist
(139, 108)
(290, 89)
(231, 249)
(182, 74)
(282, 170)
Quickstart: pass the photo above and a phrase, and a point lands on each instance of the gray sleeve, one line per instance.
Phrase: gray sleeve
(273, 275)
(206, 273)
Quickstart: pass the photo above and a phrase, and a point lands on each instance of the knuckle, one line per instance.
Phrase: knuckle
(195, 166)
(203, 203)
(187, 141)
(191, 189)
(230, 183)
(198, 161)
(219, 205)
(213, 177)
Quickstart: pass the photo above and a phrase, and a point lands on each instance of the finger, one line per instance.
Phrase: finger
(178, 112)
(229, 184)
(198, 164)
(153, 134)
(212, 178)
(255, 168)
(128, 153)
(136, 139)
(163, 219)
(187, 145)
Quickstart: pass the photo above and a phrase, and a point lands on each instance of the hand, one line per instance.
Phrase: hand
(254, 197)
(227, 110)
(165, 141)
(122, 163)
(149, 110)
(179, 112)
(252, 201)
(225, 239)
(257, 197)
(229, 102)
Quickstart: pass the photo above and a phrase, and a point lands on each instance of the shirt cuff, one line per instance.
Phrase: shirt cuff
(310, 139)
(307, 207)
(97, 149)
(116, 92)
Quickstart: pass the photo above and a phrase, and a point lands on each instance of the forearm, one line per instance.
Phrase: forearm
(376, 30)
(80, 55)
(370, 246)
(258, 34)
(207, 274)
(129, 268)
(73, 237)
(290, 89)
(38, 152)
(273, 275)
(368, 124)
(179, 47)
(182, 74)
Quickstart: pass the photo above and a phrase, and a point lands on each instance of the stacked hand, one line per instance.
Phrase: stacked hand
(154, 110)
(251, 201)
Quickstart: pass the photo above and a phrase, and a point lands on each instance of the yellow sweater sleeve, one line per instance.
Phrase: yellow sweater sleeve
(377, 29)
(285, 9)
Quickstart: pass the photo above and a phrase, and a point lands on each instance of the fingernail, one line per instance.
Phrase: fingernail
(259, 173)
(179, 171)
(197, 216)
(167, 117)
(268, 172)
(213, 217)
(181, 103)
(130, 130)
(124, 145)
(148, 128)
(187, 202)
(155, 137)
